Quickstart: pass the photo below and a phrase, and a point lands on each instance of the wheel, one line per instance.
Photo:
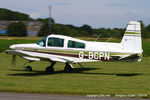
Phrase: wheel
(68, 68)
(28, 68)
(49, 70)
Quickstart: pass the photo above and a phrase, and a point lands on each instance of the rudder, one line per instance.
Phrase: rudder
(132, 41)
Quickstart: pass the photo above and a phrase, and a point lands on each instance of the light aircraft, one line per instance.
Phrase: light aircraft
(60, 48)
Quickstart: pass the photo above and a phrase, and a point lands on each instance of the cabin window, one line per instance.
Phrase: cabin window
(74, 44)
(55, 42)
(42, 42)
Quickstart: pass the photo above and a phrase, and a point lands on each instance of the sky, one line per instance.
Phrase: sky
(96, 13)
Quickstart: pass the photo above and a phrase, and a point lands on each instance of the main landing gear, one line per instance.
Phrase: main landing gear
(68, 68)
(50, 69)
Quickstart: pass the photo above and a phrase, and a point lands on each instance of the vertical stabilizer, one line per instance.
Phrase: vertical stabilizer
(132, 38)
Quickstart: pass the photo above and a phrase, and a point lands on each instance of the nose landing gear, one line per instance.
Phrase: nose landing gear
(27, 68)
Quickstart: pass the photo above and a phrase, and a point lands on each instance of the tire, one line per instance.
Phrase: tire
(49, 70)
(28, 68)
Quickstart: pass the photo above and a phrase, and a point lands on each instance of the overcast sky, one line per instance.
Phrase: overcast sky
(96, 13)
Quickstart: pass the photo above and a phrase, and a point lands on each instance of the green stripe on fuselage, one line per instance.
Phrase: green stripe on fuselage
(77, 52)
(132, 33)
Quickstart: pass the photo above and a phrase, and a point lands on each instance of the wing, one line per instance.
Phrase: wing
(40, 56)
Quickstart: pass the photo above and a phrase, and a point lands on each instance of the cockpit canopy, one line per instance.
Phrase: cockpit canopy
(42, 42)
(49, 41)
(55, 42)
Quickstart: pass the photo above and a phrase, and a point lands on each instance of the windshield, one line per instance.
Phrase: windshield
(42, 42)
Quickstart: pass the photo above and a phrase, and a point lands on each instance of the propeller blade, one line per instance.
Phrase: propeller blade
(13, 62)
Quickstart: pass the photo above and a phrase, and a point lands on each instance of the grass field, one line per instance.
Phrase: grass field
(97, 78)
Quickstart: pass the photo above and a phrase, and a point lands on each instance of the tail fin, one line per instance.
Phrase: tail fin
(132, 38)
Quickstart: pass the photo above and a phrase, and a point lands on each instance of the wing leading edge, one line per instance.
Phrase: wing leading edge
(40, 56)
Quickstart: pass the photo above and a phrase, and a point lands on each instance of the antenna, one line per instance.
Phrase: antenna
(108, 40)
(50, 16)
(98, 37)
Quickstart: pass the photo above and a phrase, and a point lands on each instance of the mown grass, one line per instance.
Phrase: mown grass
(4, 44)
(97, 78)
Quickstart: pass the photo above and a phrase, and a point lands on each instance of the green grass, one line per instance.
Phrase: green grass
(146, 48)
(97, 78)
(4, 44)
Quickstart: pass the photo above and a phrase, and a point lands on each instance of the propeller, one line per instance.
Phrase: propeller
(13, 62)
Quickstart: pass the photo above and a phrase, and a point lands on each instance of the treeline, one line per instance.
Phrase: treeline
(86, 30)
(6, 14)
(70, 30)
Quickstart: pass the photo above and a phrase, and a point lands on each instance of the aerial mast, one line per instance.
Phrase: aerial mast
(50, 17)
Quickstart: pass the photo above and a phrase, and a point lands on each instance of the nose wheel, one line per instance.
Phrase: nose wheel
(28, 68)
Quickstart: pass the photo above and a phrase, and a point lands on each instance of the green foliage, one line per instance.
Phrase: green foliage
(145, 30)
(87, 29)
(145, 33)
(45, 20)
(148, 27)
(115, 33)
(56, 29)
(6, 14)
(46, 29)
(17, 29)
(63, 30)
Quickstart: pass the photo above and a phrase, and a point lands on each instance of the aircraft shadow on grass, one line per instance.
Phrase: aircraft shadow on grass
(75, 71)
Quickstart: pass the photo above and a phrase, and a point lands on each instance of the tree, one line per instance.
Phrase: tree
(142, 24)
(45, 29)
(145, 32)
(45, 20)
(148, 30)
(86, 28)
(17, 29)
(6, 14)
(148, 27)
(63, 30)
(117, 32)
